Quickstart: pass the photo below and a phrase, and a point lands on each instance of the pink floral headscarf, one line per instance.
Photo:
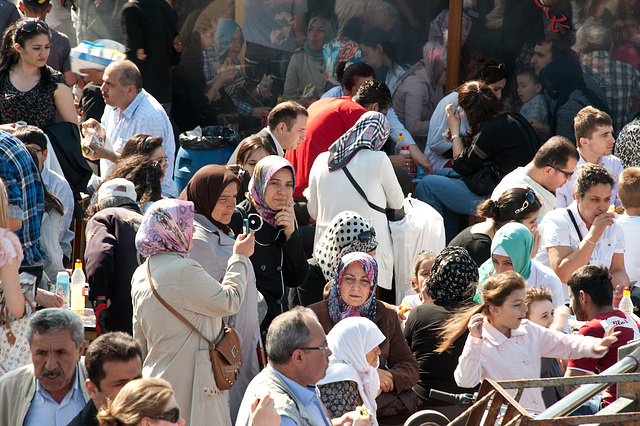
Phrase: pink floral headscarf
(166, 226)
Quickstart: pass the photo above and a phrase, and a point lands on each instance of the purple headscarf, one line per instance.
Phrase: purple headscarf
(262, 174)
(338, 308)
(166, 226)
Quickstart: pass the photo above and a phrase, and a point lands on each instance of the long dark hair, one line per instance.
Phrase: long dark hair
(10, 56)
(479, 104)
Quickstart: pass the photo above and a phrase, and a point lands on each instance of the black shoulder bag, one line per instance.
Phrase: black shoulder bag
(393, 215)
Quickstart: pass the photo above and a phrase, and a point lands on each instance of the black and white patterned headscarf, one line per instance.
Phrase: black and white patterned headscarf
(345, 234)
(453, 277)
(371, 131)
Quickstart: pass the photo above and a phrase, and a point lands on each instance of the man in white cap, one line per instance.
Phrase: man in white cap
(111, 256)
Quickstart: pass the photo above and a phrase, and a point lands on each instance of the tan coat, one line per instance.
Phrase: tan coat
(171, 349)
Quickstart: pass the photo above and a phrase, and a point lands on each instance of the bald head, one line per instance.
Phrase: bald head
(129, 74)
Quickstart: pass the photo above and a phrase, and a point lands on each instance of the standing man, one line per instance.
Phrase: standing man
(150, 32)
(130, 110)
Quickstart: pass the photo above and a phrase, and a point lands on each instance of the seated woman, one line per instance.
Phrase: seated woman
(585, 233)
(31, 90)
(419, 90)
(144, 144)
(348, 232)
(331, 191)
(212, 190)
(511, 250)
(249, 152)
(352, 379)
(353, 294)
(495, 136)
(381, 53)
(141, 402)
(452, 283)
(172, 350)
(476, 239)
(305, 75)
(279, 259)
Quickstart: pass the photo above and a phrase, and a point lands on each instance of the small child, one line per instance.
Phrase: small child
(530, 93)
(422, 268)
(629, 196)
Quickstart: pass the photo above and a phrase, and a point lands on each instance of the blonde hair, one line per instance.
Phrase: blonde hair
(4, 205)
(493, 292)
(136, 400)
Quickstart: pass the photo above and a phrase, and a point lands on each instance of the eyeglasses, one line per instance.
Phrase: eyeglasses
(365, 236)
(31, 26)
(172, 416)
(161, 161)
(315, 348)
(529, 198)
(567, 175)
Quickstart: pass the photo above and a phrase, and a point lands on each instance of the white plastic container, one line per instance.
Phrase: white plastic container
(78, 281)
(626, 304)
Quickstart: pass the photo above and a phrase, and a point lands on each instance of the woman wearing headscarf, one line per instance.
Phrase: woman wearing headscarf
(279, 258)
(331, 192)
(451, 285)
(171, 349)
(353, 294)
(352, 379)
(213, 190)
(511, 251)
(419, 90)
(563, 80)
(348, 232)
(439, 27)
(305, 75)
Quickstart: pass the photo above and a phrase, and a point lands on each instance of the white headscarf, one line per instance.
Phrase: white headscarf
(350, 340)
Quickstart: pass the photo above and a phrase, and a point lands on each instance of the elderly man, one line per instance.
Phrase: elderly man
(113, 360)
(130, 110)
(53, 387)
(298, 358)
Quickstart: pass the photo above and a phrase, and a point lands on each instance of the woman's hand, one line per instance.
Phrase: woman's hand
(47, 299)
(536, 242)
(453, 119)
(245, 244)
(598, 226)
(226, 76)
(386, 380)
(263, 413)
(601, 347)
(475, 325)
(287, 219)
(258, 111)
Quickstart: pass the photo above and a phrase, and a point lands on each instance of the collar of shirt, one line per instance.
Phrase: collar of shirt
(306, 394)
(128, 112)
(278, 146)
(495, 336)
(74, 393)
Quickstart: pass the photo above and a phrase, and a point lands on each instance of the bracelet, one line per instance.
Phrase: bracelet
(457, 135)
(589, 241)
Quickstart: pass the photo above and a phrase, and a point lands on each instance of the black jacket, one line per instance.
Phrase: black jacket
(86, 417)
(277, 262)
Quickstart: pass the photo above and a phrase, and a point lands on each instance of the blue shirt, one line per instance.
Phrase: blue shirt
(308, 395)
(43, 406)
(26, 195)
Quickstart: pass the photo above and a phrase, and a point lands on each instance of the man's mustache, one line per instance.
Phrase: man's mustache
(49, 373)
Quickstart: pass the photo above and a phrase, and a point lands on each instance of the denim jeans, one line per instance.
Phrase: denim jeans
(450, 196)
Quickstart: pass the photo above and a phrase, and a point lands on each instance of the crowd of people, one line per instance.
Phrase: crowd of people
(342, 109)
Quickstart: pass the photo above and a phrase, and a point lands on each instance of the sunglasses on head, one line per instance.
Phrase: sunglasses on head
(529, 198)
(365, 236)
(172, 416)
(31, 26)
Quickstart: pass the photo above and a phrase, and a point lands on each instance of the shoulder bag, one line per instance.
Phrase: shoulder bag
(393, 215)
(14, 346)
(226, 355)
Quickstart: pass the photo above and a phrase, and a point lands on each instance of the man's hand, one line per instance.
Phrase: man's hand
(47, 299)
(258, 111)
(92, 123)
(386, 380)
(100, 152)
(420, 159)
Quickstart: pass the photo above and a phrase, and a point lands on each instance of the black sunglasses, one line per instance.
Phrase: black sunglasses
(566, 174)
(31, 26)
(529, 198)
(172, 416)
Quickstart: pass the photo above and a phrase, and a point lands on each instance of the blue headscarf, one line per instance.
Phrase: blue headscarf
(224, 34)
(329, 34)
(516, 240)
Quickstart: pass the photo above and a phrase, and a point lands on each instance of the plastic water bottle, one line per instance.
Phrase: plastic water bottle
(62, 287)
(626, 305)
(405, 151)
(78, 281)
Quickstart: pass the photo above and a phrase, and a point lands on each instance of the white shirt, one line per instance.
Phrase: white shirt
(277, 144)
(543, 276)
(43, 406)
(520, 179)
(58, 186)
(631, 228)
(558, 230)
(564, 194)
(437, 148)
(143, 115)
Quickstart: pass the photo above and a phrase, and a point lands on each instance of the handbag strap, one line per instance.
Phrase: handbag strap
(176, 313)
(575, 224)
(361, 192)
(4, 310)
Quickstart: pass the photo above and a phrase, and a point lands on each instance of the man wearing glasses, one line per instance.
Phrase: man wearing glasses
(298, 358)
(551, 167)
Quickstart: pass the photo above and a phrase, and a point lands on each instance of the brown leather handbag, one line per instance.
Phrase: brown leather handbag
(226, 354)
